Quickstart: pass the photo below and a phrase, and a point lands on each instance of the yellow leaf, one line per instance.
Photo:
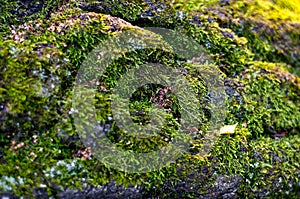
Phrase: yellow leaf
(228, 129)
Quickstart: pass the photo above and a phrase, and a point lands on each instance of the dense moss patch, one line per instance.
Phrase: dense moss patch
(269, 102)
(271, 27)
(41, 151)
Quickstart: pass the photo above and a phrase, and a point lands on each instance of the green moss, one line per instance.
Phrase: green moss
(274, 163)
(35, 86)
(264, 103)
(271, 27)
(24, 76)
(270, 100)
(14, 13)
(264, 10)
(270, 10)
(227, 49)
(193, 5)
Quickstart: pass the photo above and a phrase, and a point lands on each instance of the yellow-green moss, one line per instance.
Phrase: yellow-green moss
(287, 10)
(271, 27)
(270, 97)
(193, 5)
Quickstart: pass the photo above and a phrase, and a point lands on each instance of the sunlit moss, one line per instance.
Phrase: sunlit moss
(270, 10)
(193, 5)
(265, 10)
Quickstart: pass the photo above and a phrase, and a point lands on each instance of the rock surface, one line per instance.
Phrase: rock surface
(255, 46)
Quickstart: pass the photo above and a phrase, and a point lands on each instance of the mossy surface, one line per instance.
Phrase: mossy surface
(40, 57)
(271, 27)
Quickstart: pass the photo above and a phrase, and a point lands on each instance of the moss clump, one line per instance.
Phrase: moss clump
(271, 27)
(14, 13)
(267, 166)
(270, 95)
(267, 10)
(28, 81)
(277, 10)
(227, 49)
